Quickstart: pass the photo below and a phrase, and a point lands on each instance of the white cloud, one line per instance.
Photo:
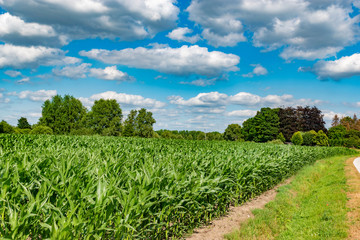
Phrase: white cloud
(23, 80)
(32, 57)
(124, 99)
(80, 19)
(179, 61)
(344, 67)
(305, 29)
(242, 113)
(37, 96)
(180, 33)
(73, 72)
(15, 31)
(201, 82)
(257, 71)
(12, 73)
(211, 99)
(244, 98)
(110, 73)
(329, 115)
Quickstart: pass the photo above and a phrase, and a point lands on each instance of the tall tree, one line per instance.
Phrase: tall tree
(129, 124)
(347, 122)
(62, 114)
(23, 123)
(233, 132)
(144, 123)
(335, 121)
(105, 117)
(288, 122)
(310, 119)
(263, 127)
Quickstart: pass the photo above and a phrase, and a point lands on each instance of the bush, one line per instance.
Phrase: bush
(297, 138)
(82, 131)
(41, 130)
(276, 141)
(337, 132)
(281, 137)
(25, 131)
(337, 142)
(308, 138)
(352, 142)
(321, 139)
(6, 128)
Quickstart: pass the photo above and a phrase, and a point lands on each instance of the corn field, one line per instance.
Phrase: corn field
(65, 187)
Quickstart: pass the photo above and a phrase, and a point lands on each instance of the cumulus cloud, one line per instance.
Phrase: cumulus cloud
(258, 71)
(305, 29)
(185, 60)
(124, 99)
(80, 19)
(110, 73)
(23, 80)
(201, 82)
(13, 73)
(32, 57)
(3, 99)
(211, 99)
(216, 99)
(344, 67)
(37, 96)
(15, 31)
(73, 71)
(242, 113)
(180, 33)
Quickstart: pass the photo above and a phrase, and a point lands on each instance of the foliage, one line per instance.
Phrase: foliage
(41, 130)
(25, 131)
(82, 131)
(23, 123)
(263, 127)
(233, 132)
(337, 132)
(144, 124)
(321, 139)
(310, 118)
(288, 122)
(214, 136)
(5, 127)
(105, 117)
(297, 139)
(309, 138)
(276, 141)
(281, 137)
(66, 187)
(62, 114)
(129, 124)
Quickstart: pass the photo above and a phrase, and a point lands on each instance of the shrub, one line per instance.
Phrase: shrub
(297, 138)
(281, 137)
(352, 142)
(321, 139)
(276, 141)
(308, 138)
(82, 131)
(41, 130)
(337, 132)
(25, 131)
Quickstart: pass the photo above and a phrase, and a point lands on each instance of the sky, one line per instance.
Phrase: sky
(196, 64)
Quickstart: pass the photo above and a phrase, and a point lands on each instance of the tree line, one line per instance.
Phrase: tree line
(67, 115)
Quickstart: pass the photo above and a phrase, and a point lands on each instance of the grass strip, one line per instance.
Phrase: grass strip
(313, 206)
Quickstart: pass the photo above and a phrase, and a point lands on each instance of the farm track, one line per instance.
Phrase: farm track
(219, 227)
(353, 195)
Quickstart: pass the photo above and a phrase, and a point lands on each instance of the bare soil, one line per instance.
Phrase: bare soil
(353, 194)
(219, 227)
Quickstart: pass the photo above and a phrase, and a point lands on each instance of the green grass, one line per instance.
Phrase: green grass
(313, 206)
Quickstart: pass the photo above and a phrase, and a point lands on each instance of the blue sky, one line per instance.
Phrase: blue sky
(196, 64)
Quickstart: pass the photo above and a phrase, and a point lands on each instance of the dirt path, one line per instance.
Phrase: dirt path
(219, 227)
(353, 195)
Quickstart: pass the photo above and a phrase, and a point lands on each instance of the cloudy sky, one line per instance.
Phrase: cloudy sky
(196, 64)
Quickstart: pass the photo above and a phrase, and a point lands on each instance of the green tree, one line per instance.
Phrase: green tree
(214, 136)
(233, 132)
(263, 127)
(6, 128)
(337, 132)
(105, 117)
(23, 123)
(129, 124)
(297, 138)
(321, 139)
(308, 138)
(144, 123)
(62, 114)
